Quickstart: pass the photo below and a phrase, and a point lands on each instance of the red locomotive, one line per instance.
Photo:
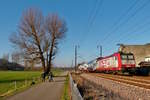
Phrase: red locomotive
(117, 62)
(123, 62)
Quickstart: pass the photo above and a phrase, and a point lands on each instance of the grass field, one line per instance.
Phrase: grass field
(8, 79)
(57, 72)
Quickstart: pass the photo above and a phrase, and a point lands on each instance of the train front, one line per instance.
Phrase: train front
(127, 62)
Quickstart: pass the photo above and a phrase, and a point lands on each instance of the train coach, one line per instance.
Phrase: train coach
(83, 67)
(117, 62)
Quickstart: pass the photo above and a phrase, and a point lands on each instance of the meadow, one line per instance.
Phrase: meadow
(14, 80)
(10, 80)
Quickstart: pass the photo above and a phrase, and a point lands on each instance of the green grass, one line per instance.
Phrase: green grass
(66, 95)
(22, 78)
(8, 78)
(57, 72)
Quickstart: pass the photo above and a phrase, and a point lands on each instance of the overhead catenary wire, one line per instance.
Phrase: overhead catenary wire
(145, 30)
(127, 36)
(89, 17)
(94, 15)
(130, 37)
(92, 11)
(116, 23)
(135, 28)
(91, 20)
(131, 16)
(119, 23)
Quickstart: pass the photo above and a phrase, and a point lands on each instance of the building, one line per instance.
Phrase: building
(140, 51)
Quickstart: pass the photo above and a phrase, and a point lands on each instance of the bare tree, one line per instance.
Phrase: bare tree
(16, 56)
(30, 35)
(56, 29)
(6, 56)
(38, 38)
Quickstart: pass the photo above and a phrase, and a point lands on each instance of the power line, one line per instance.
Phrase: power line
(132, 15)
(121, 17)
(119, 20)
(93, 10)
(128, 36)
(134, 29)
(92, 18)
(127, 39)
(116, 23)
(95, 14)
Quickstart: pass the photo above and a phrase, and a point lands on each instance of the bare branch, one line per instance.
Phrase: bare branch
(38, 38)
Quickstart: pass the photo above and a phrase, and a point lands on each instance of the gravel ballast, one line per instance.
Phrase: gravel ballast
(92, 91)
(125, 91)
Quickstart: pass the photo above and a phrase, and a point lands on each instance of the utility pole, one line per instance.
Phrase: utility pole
(75, 57)
(72, 64)
(76, 49)
(100, 50)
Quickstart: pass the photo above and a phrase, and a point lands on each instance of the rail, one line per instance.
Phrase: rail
(131, 81)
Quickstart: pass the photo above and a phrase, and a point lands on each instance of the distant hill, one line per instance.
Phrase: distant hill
(6, 65)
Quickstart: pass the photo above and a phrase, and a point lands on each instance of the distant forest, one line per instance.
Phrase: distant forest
(6, 65)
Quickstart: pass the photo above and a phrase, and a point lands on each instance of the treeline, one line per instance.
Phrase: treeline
(13, 66)
(65, 68)
(6, 65)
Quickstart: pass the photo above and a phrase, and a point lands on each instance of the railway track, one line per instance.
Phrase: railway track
(144, 83)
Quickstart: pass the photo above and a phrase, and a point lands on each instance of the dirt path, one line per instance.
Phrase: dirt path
(43, 91)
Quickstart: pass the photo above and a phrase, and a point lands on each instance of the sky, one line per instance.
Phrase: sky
(90, 23)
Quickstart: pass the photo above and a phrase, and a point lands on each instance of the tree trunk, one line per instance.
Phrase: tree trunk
(50, 57)
(43, 64)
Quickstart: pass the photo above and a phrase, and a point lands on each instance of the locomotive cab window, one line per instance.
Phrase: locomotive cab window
(124, 57)
(127, 57)
(130, 57)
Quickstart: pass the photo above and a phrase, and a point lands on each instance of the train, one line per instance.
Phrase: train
(118, 62)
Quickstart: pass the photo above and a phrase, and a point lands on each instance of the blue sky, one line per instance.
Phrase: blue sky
(90, 23)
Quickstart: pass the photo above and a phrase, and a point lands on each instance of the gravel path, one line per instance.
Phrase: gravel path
(43, 91)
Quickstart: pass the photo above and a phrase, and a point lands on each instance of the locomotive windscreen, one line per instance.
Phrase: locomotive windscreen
(127, 59)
